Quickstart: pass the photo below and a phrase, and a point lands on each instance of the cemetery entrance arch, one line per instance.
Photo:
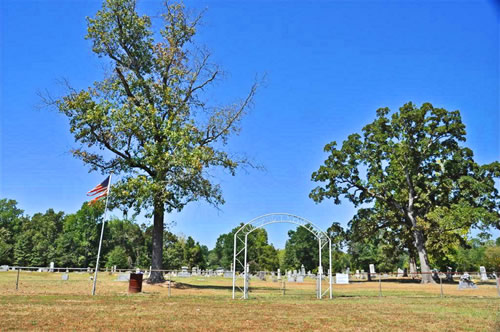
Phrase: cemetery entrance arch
(240, 257)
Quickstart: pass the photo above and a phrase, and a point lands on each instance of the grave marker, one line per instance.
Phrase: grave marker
(484, 276)
(342, 278)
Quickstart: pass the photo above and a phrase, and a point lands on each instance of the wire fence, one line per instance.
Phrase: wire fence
(78, 281)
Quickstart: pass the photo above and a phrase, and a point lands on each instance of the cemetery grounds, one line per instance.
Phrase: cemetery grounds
(44, 301)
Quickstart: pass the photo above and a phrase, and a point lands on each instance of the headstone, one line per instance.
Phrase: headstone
(51, 269)
(123, 277)
(302, 270)
(465, 282)
(342, 278)
(88, 269)
(228, 274)
(279, 274)
(4, 268)
(400, 273)
(299, 278)
(372, 269)
(261, 275)
(357, 274)
(291, 278)
(347, 271)
(184, 273)
(484, 276)
(65, 276)
(137, 271)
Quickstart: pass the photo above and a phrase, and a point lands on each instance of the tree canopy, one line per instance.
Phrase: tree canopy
(418, 180)
(149, 114)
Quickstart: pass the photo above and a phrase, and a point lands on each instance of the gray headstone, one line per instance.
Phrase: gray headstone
(51, 269)
(300, 278)
(342, 278)
(123, 277)
(466, 282)
(4, 268)
(400, 273)
(184, 273)
(65, 276)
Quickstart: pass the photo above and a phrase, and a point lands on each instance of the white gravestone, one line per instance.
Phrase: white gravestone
(484, 276)
(279, 274)
(342, 278)
(51, 269)
(372, 269)
(65, 277)
(400, 273)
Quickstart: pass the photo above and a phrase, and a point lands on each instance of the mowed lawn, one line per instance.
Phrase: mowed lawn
(44, 301)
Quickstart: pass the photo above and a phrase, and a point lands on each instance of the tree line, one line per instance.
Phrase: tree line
(71, 240)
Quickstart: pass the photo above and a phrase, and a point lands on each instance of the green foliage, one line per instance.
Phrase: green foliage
(261, 256)
(421, 184)
(492, 259)
(118, 256)
(149, 114)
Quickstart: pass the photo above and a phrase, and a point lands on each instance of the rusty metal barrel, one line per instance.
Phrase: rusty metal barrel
(135, 283)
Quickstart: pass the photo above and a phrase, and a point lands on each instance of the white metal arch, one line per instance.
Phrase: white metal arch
(272, 218)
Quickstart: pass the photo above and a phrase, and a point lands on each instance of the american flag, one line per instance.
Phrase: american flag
(101, 190)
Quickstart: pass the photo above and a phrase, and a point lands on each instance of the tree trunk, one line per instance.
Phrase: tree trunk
(422, 255)
(157, 254)
(418, 235)
(413, 267)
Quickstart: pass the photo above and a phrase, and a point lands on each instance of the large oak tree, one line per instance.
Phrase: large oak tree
(417, 177)
(149, 115)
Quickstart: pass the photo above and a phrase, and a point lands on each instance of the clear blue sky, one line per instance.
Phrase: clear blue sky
(329, 66)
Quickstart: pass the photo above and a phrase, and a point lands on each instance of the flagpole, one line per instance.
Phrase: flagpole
(102, 232)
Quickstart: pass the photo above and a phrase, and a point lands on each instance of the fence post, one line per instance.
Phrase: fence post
(498, 286)
(169, 282)
(379, 286)
(17, 280)
(441, 283)
(284, 286)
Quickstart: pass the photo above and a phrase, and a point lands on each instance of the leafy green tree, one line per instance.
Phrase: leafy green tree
(261, 255)
(491, 259)
(150, 117)
(126, 234)
(412, 165)
(35, 244)
(118, 256)
(78, 242)
(10, 220)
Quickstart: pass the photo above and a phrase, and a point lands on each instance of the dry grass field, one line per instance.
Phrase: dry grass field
(43, 301)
